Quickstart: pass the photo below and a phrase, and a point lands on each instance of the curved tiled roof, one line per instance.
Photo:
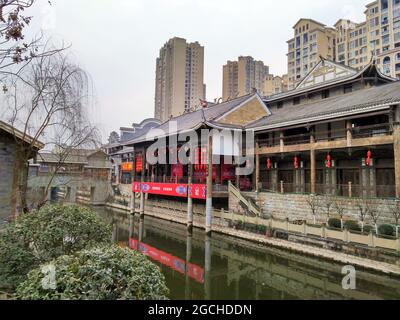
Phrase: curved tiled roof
(332, 107)
(192, 120)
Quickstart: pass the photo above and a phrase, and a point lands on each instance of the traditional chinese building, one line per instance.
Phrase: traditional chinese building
(336, 133)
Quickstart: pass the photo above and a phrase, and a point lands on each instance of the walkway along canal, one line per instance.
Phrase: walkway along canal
(222, 267)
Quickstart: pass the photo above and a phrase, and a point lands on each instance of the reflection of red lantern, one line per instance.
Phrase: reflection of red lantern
(369, 156)
(328, 161)
(268, 163)
(296, 162)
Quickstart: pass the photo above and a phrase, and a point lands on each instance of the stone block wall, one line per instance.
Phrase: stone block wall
(7, 172)
(295, 207)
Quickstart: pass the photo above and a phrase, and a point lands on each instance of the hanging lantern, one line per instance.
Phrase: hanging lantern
(328, 161)
(268, 163)
(368, 160)
(296, 162)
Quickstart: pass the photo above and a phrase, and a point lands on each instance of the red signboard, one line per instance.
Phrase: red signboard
(139, 163)
(195, 272)
(166, 189)
(136, 187)
(198, 191)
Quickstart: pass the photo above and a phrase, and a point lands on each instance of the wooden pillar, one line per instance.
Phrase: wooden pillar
(281, 140)
(133, 194)
(209, 185)
(349, 134)
(237, 180)
(142, 204)
(257, 182)
(190, 200)
(313, 178)
(396, 148)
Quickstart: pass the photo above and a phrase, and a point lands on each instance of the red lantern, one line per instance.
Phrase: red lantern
(328, 161)
(369, 156)
(296, 162)
(268, 163)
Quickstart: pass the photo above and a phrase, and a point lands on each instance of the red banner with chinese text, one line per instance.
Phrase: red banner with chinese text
(166, 189)
(136, 187)
(198, 191)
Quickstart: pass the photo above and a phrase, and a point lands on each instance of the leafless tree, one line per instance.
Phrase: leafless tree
(328, 204)
(314, 204)
(15, 51)
(374, 213)
(340, 207)
(363, 211)
(48, 101)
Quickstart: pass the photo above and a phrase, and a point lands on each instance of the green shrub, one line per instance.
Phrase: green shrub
(334, 223)
(368, 229)
(352, 225)
(103, 273)
(43, 235)
(386, 230)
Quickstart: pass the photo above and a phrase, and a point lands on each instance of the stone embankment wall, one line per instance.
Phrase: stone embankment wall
(296, 207)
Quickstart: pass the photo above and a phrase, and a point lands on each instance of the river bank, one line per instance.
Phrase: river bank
(221, 227)
(225, 266)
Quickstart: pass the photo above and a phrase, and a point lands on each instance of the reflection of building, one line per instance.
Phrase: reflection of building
(242, 76)
(241, 269)
(13, 170)
(120, 156)
(349, 43)
(179, 78)
(194, 272)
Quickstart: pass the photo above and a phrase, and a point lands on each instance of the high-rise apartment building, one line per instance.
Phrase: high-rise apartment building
(311, 40)
(242, 76)
(383, 23)
(349, 43)
(179, 78)
(274, 85)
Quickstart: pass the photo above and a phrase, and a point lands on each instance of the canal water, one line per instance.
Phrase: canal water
(198, 267)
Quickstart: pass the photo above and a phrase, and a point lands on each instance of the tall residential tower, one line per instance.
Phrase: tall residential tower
(242, 76)
(179, 78)
(349, 43)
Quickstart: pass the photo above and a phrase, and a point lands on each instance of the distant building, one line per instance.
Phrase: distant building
(179, 78)
(311, 40)
(120, 155)
(13, 170)
(242, 76)
(274, 84)
(349, 43)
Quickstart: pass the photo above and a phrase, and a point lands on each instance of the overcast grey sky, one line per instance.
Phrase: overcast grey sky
(117, 41)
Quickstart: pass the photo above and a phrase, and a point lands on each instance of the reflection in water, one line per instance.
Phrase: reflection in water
(220, 267)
